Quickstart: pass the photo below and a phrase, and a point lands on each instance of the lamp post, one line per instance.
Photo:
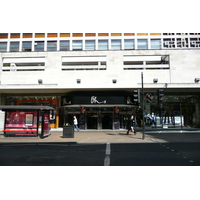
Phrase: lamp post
(143, 136)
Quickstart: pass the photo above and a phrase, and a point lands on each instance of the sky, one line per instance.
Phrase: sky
(98, 16)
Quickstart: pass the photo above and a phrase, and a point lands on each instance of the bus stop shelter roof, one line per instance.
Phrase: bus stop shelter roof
(24, 107)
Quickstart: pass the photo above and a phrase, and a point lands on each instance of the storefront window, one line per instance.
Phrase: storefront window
(175, 112)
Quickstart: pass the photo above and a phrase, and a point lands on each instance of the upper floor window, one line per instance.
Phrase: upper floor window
(14, 46)
(26, 46)
(116, 44)
(142, 44)
(3, 46)
(51, 45)
(39, 45)
(102, 44)
(77, 45)
(90, 45)
(64, 45)
(129, 44)
(155, 44)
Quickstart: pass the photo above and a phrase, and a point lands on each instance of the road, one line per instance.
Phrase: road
(100, 154)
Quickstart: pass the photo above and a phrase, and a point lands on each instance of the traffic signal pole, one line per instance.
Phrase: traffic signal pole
(143, 136)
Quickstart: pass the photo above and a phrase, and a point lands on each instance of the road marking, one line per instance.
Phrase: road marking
(107, 157)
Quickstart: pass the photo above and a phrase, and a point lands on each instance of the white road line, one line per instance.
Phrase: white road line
(107, 157)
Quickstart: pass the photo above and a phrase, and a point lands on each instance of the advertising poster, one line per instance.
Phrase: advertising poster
(46, 124)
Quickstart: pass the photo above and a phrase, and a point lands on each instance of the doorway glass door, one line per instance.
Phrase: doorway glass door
(107, 121)
(92, 120)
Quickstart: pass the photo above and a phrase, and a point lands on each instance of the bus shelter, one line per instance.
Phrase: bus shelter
(21, 120)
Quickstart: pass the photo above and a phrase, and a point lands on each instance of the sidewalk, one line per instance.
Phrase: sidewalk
(108, 137)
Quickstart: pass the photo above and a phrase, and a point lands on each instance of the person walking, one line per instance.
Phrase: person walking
(76, 123)
(131, 124)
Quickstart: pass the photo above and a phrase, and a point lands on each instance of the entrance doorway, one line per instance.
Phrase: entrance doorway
(92, 120)
(107, 120)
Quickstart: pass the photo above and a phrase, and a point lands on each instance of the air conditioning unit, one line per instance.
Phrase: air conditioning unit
(35, 43)
(167, 43)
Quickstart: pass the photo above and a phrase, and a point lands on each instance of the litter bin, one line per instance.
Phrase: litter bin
(68, 132)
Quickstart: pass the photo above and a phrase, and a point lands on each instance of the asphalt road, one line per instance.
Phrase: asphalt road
(102, 154)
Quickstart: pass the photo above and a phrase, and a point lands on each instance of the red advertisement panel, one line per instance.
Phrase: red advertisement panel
(46, 127)
(21, 119)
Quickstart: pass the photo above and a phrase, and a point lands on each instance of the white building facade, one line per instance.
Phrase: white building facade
(93, 75)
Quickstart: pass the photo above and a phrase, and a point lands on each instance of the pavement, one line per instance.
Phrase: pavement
(109, 136)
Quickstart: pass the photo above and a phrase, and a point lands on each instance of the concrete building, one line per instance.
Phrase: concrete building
(93, 75)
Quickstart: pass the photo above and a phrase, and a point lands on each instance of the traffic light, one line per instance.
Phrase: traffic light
(136, 96)
(161, 94)
(148, 98)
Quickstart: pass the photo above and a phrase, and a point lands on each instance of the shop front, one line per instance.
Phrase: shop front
(111, 112)
(97, 112)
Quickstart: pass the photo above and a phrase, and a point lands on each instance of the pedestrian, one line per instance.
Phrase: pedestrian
(131, 124)
(153, 120)
(76, 123)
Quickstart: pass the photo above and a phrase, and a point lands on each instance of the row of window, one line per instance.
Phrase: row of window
(53, 35)
(77, 45)
(115, 44)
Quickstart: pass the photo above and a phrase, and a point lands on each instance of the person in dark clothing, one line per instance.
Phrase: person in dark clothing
(131, 125)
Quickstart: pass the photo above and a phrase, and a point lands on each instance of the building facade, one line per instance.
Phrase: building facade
(93, 76)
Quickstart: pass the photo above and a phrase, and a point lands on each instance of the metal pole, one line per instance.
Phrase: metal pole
(143, 136)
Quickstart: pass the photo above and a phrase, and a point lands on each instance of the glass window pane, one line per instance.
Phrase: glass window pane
(142, 44)
(103, 44)
(26, 46)
(3, 46)
(14, 46)
(90, 45)
(51, 45)
(115, 44)
(39, 46)
(129, 44)
(155, 44)
(77, 45)
(64, 45)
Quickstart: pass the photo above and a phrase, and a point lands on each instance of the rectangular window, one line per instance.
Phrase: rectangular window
(90, 34)
(14, 46)
(26, 46)
(142, 34)
(40, 35)
(116, 34)
(27, 35)
(3, 35)
(64, 34)
(77, 34)
(15, 35)
(115, 44)
(39, 45)
(64, 45)
(129, 34)
(142, 44)
(155, 44)
(52, 35)
(155, 33)
(3, 46)
(77, 45)
(102, 34)
(51, 45)
(129, 44)
(90, 45)
(102, 44)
